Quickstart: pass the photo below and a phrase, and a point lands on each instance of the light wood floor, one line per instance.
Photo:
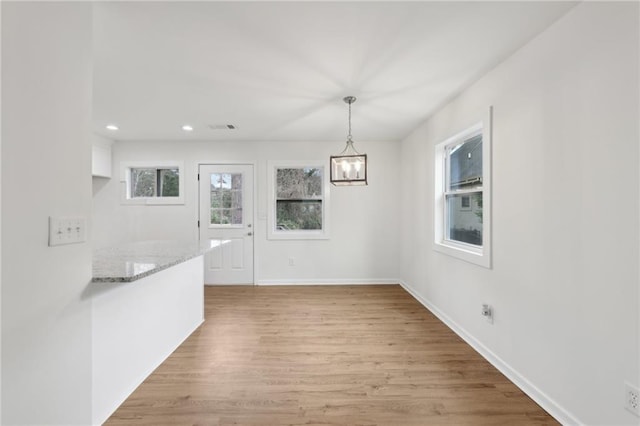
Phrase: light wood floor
(325, 355)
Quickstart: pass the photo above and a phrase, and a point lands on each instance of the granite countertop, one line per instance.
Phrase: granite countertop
(132, 261)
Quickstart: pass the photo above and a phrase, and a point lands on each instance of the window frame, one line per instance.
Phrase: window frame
(125, 179)
(478, 255)
(301, 234)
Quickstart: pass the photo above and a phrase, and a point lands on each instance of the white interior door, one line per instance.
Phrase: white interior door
(226, 216)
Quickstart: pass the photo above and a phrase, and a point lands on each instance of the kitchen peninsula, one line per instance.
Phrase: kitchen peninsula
(133, 261)
(147, 298)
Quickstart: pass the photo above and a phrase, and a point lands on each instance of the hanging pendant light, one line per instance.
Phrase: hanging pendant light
(349, 167)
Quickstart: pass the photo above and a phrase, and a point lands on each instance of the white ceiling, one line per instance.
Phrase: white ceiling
(279, 70)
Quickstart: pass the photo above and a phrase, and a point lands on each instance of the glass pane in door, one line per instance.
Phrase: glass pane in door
(226, 199)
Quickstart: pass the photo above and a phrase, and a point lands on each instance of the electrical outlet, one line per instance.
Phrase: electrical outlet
(632, 398)
(292, 261)
(487, 313)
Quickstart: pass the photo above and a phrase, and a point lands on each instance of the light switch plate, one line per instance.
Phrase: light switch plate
(66, 230)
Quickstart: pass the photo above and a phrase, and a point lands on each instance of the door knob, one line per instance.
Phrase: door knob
(249, 233)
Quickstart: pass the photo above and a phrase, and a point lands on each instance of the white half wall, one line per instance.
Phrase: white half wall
(137, 325)
(46, 171)
(564, 283)
(364, 242)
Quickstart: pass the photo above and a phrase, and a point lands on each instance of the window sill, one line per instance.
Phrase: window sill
(478, 256)
(297, 235)
(155, 201)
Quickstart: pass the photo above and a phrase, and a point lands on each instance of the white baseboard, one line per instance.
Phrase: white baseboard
(329, 281)
(542, 399)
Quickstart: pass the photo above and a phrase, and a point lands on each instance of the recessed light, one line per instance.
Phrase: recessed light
(187, 128)
(111, 127)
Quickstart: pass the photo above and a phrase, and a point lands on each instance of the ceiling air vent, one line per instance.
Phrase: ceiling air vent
(222, 127)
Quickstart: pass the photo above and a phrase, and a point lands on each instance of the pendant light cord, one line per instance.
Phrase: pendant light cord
(349, 135)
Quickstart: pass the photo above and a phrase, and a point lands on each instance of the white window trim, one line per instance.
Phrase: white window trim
(125, 177)
(477, 255)
(272, 232)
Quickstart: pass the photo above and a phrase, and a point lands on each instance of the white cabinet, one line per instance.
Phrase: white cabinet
(101, 160)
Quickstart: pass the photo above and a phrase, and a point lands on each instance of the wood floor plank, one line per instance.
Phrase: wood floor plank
(324, 355)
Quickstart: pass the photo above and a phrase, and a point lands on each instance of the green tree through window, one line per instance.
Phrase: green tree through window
(299, 198)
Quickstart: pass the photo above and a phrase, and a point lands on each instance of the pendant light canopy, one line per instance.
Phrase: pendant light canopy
(349, 168)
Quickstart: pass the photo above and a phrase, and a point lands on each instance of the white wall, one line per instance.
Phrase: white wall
(0, 226)
(46, 115)
(564, 283)
(364, 243)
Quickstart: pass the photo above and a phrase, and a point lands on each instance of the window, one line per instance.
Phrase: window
(464, 202)
(226, 199)
(462, 222)
(299, 195)
(153, 183)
